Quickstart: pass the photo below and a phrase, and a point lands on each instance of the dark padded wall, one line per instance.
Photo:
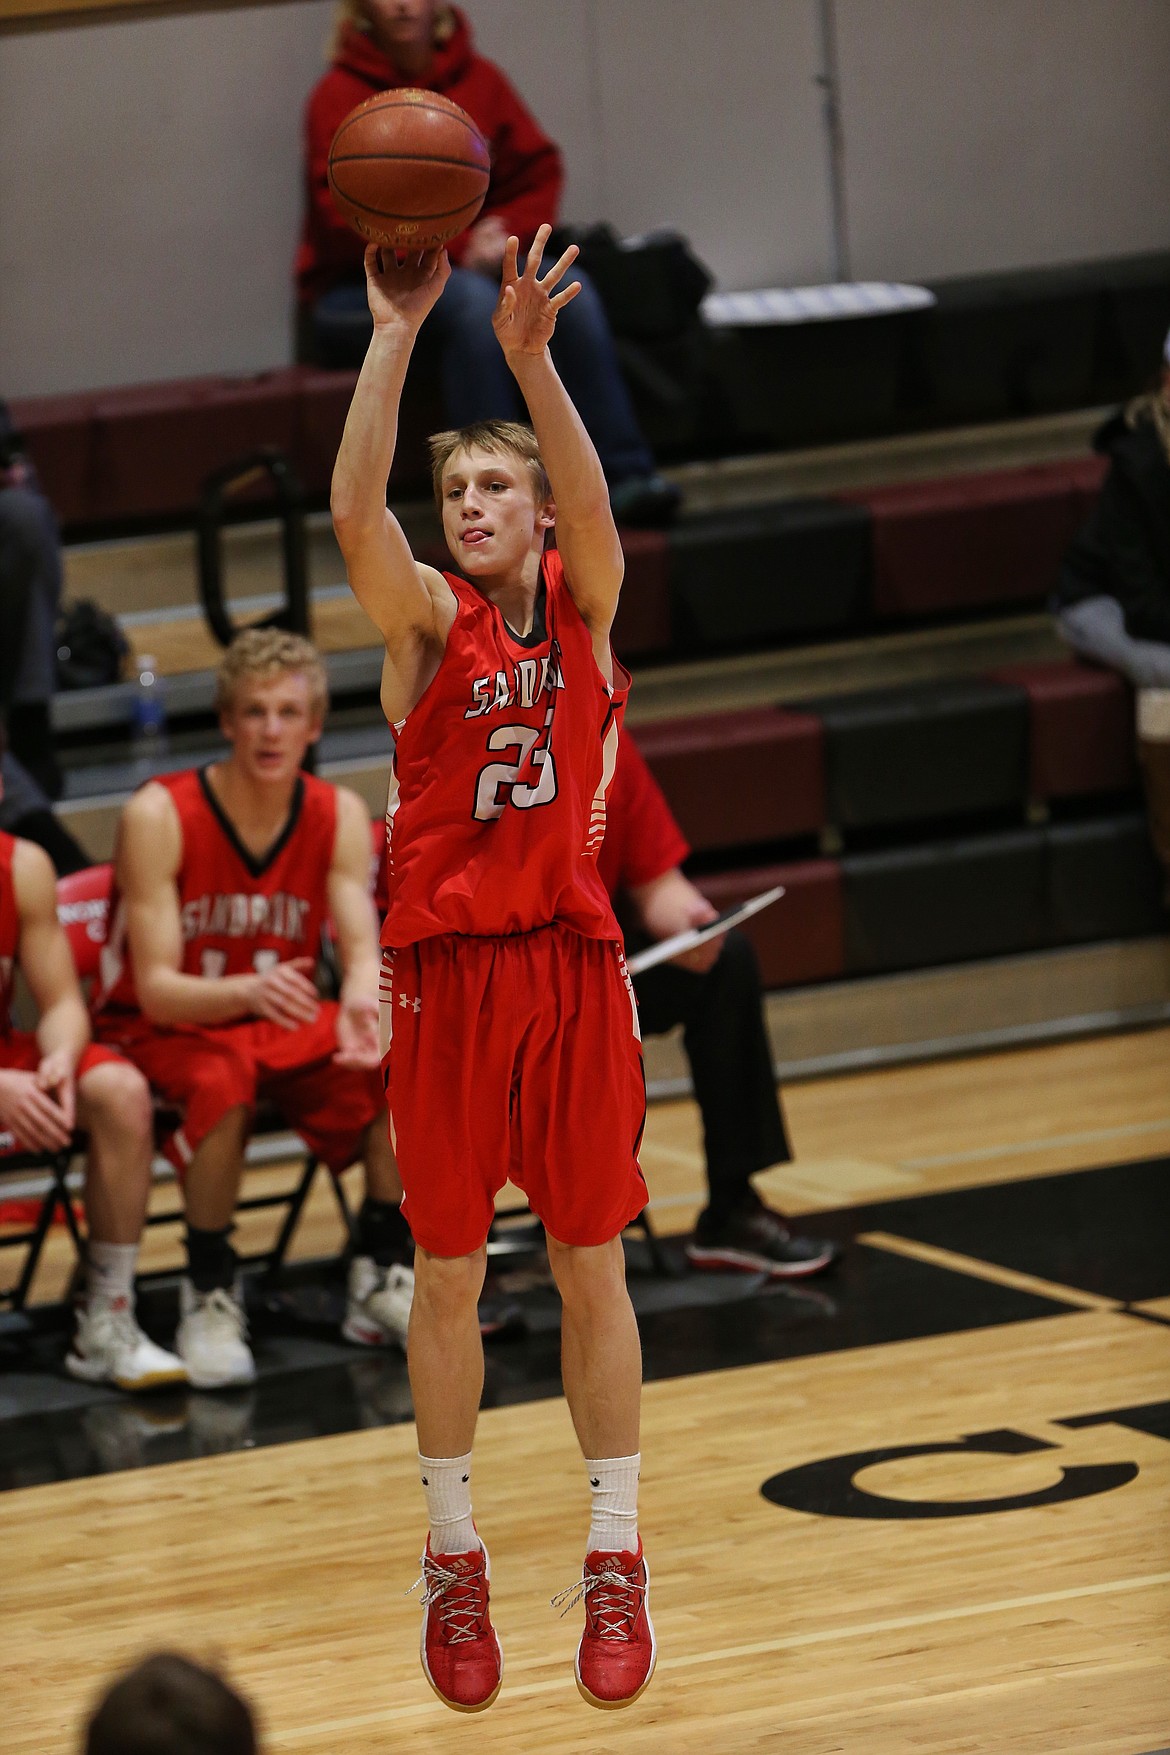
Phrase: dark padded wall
(944, 903)
(766, 573)
(929, 750)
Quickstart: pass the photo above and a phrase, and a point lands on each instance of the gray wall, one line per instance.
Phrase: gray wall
(149, 209)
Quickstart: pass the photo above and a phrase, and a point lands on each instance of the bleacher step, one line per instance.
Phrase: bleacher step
(133, 575)
(927, 1014)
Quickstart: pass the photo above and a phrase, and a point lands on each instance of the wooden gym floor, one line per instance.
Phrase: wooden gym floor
(919, 1504)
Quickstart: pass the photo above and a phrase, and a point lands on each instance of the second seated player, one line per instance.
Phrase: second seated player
(513, 1037)
(225, 877)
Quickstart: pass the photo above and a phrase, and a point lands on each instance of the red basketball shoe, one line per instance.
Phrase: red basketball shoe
(462, 1658)
(617, 1653)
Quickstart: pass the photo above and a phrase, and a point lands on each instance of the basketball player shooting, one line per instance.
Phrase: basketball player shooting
(513, 1045)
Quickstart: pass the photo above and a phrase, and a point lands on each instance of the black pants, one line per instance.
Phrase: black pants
(726, 1042)
(30, 592)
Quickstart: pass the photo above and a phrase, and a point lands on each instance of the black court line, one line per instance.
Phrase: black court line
(1099, 1231)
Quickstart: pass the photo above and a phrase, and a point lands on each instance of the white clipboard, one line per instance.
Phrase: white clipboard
(667, 948)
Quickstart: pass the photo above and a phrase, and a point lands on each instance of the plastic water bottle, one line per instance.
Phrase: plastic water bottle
(150, 716)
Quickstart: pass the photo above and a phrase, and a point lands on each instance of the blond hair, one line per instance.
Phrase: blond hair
(499, 437)
(263, 651)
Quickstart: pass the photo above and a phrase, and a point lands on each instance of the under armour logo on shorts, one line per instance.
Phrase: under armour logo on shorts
(409, 1004)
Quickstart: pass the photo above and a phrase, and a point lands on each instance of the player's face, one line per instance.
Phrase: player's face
(401, 24)
(270, 724)
(491, 517)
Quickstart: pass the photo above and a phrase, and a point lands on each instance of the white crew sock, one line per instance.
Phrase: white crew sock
(613, 1482)
(109, 1272)
(446, 1482)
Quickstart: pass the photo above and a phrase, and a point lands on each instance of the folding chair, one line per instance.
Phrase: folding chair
(47, 1197)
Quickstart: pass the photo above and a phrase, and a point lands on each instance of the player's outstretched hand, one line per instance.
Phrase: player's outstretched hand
(285, 994)
(357, 1032)
(526, 312)
(32, 1115)
(402, 291)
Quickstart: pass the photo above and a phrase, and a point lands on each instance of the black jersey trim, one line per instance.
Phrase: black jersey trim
(257, 867)
(538, 633)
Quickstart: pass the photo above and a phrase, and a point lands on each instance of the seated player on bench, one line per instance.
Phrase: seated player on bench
(53, 1078)
(225, 877)
(714, 992)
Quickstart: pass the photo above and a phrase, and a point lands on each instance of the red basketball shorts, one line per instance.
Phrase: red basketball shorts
(21, 1052)
(514, 1058)
(206, 1072)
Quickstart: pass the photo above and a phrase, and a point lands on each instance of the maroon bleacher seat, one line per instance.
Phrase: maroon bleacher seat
(323, 399)
(642, 623)
(974, 541)
(1086, 475)
(59, 432)
(738, 779)
(802, 936)
(1080, 728)
(155, 444)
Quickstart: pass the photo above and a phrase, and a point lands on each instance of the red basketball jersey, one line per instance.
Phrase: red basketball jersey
(9, 932)
(239, 914)
(497, 805)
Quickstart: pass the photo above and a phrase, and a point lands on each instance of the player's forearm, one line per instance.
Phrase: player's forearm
(167, 996)
(64, 1026)
(360, 474)
(360, 975)
(568, 453)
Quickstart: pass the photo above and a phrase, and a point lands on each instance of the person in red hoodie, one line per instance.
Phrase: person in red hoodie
(420, 43)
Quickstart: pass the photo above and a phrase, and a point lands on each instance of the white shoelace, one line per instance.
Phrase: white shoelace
(224, 1311)
(115, 1322)
(610, 1598)
(445, 1587)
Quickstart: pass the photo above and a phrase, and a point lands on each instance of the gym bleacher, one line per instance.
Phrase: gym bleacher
(846, 677)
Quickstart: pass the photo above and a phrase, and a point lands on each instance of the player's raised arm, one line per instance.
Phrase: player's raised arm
(411, 606)
(586, 533)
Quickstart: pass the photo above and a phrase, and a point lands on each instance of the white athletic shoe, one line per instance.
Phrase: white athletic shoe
(378, 1310)
(211, 1337)
(109, 1347)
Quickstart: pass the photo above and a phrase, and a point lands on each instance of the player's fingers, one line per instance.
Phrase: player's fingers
(565, 296)
(536, 252)
(561, 268)
(363, 1059)
(42, 1123)
(510, 271)
(67, 1103)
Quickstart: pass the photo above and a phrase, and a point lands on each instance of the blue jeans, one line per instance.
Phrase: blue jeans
(475, 379)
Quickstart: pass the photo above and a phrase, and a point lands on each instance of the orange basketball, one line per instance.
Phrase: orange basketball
(409, 169)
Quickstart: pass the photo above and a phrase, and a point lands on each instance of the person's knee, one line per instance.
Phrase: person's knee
(587, 1275)
(115, 1096)
(447, 1287)
(735, 978)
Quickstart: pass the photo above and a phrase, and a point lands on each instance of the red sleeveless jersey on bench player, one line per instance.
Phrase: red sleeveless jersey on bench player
(501, 771)
(239, 914)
